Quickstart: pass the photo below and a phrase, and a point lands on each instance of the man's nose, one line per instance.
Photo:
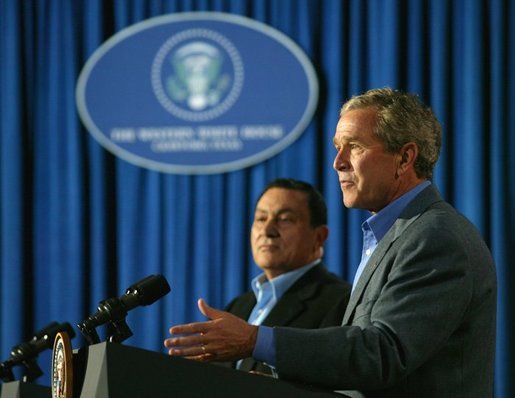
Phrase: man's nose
(341, 160)
(271, 228)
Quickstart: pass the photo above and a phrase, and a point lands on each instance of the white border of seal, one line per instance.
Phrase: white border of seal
(199, 169)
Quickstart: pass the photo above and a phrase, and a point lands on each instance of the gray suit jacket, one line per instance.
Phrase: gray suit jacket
(420, 322)
(318, 299)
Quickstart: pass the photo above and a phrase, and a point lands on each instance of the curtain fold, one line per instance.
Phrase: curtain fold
(78, 225)
(13, 301)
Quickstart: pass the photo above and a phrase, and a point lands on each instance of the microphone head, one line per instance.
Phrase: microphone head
(44, 331)
(41, 341)
(149, 289)
(46, 337)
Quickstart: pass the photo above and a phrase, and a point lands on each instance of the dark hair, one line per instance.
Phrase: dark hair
(316, 202)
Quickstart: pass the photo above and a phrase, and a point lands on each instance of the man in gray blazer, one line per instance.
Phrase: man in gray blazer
(295, 289)
(421, 317)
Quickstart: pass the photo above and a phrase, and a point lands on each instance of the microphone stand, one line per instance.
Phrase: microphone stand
(121, 331)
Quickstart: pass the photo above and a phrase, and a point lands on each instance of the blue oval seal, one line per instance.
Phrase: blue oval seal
(197, 93)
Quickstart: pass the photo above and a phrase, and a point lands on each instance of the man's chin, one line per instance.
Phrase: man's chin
(349, 202)
(270, 265)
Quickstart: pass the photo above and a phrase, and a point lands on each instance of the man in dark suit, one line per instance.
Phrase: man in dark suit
(421, 317)
(295, 289)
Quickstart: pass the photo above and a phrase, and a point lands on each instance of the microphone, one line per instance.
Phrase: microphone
(146, 291)
(114, 310)
(26, 353)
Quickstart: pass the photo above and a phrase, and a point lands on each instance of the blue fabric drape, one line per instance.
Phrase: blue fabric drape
(78, 225)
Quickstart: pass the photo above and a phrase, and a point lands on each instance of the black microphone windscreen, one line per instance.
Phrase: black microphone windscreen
(149, 289)
(44, 331)
(47, 338)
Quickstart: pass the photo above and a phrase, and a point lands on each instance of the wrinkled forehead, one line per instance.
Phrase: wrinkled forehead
(355, 124)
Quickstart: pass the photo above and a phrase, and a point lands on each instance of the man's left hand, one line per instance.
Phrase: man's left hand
(224, 337)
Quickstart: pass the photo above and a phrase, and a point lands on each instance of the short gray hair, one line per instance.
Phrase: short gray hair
(403, 118)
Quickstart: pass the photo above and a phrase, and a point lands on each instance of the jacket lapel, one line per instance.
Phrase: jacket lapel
(243, 307)
(291, 303)
(284, 311)
(367, 273)
(414, 209)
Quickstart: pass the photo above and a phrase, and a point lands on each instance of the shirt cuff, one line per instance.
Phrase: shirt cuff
(264, 350)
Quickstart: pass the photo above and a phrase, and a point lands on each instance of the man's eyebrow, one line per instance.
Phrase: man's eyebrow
(280, 211)
(346, 138)
(349, 139)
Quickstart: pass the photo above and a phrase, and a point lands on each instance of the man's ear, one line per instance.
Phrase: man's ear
(407, 156)
(322, 232)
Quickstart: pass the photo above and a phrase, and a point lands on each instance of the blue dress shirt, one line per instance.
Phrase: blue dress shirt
(268, 292)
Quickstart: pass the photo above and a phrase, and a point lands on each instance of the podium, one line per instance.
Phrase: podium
(20, 389)
(112, 370)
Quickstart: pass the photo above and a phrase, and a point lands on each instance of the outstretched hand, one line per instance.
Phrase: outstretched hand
(224, 337)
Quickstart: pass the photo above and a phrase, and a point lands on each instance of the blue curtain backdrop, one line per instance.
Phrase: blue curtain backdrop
(78, 225)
